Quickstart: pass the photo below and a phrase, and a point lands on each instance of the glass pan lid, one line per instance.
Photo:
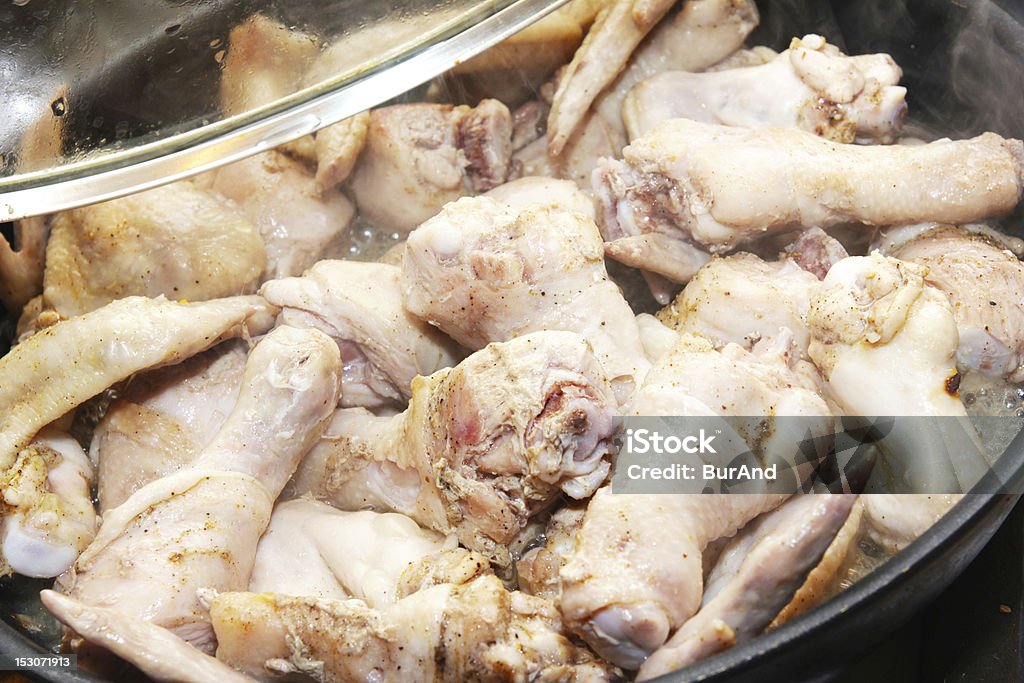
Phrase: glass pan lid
(104, 98)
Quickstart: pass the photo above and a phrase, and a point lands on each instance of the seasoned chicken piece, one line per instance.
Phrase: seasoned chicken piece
(474, 632)
(755, 576)
(699, 35)
(279, 195)
(337, 150)
(163, 420)
(545, 191)
(635, 573)
(885, 342)
(177, 240)
(538, 570)
(21, 264)
(984, 279)
(65, 365)
(811, 86)
(894, 521)
(657, 337)
(157, 652)
(719, 186)
(484, 272)
(265, 61)
(816, 252)
(313, 549)
(419, 157)
(359, 305)
(702, 33)
(823, 581)
(48, 517)
(482, 448)
(593, 140)
(198, 528)
(740, 299)
(510, 70)
(744, 57)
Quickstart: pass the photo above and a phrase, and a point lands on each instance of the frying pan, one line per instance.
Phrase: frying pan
(964, 67)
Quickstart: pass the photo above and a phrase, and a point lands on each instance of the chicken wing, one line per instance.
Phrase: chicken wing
(418, 157)
(178, 240)
(702, 33)
(719, 186)
(359, 305)
(483, 272)
(48, 517)
(811, 86)
(313, 549)
(483, 446)
(299, 224)
(756, 575)
(981, 274)
(477, 631)
(635, 573)
(163, 419)
(61, 367)
(740, 298)
(885, 342)
(198, 528)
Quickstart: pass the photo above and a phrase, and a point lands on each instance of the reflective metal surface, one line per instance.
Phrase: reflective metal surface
(103, 99)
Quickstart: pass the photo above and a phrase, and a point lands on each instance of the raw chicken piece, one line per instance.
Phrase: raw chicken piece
(894, 521)
(157, 652)
(816, 252)
(696, 379)
(177, 240)
(265, 61)
(544, 191)
(657, 337)
(359, 305)
(61, 367)
(702, 33)
(48, 516)
(538, 570)
(740, 299)
(313, 549)
(279, 195)
(164, 419)
(21, 264)
(511, 70)
(483, 446)
(593, 140)
(419, 157)
(756, 575)
(885, 342)
(823, 581)
(483, 272)
(474, 632)
(719, 186)
(198, 528)
(745, 57)
(337, 150)
(699, 35)
(635, 573)
(984, 280)
(811, 86)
